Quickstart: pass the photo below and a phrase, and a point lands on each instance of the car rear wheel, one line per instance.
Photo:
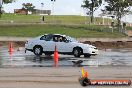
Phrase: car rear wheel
(77, 52)
(38, 50)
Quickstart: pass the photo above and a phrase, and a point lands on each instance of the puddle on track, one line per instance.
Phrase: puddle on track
(110, 57)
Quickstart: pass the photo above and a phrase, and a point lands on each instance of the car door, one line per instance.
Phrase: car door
(47, 43)
(56, 42)
(64, 46)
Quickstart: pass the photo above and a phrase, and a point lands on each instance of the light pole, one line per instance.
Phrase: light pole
(42, 5)
(112, 23)
(53, 9)
(104, 12)
(102, 15)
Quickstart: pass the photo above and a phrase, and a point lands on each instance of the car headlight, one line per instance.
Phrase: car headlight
(95, 48)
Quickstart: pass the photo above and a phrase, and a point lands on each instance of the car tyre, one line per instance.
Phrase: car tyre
(38, 50)
(77, 52)
(85, 82)
(87, 55)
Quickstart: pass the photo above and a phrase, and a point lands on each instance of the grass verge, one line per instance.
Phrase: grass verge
(72, 30)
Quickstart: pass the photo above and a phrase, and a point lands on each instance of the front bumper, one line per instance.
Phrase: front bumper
(91, 51)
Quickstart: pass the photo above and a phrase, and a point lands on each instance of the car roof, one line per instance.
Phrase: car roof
(56, 34)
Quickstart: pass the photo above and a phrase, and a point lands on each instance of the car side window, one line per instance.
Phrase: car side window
(49, 38)
(58, 38)
(64, 39)
(55, 39)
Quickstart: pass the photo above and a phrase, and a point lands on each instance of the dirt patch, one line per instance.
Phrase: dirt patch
(105, 45)
(15, 44)
(98, 44)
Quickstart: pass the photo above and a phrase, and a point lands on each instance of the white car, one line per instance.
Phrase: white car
(65, 45)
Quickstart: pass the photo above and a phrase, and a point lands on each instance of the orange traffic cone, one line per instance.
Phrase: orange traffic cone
(10, 47)
(10, 53)
(56, 56)
(84, 74)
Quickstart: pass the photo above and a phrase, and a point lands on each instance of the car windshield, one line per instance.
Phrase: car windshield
(71, 39)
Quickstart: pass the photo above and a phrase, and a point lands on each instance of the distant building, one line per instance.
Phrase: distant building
(37, 11)
(20, 11)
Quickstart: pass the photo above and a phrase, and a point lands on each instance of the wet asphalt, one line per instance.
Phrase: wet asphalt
(108, 57)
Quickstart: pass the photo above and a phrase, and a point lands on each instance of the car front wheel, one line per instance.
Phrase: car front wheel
(77, 52)
(38, 50)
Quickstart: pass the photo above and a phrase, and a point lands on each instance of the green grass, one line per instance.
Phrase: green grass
(19, 18)
(72, 30)
(129, 28)
(60, 19)
(75, 26)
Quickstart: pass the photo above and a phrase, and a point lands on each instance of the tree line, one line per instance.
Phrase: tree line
(119, 8)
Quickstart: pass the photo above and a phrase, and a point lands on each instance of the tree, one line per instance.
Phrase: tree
(28, 7)
(8, 1)
(119, 8)
(5, 2)
(91, 6)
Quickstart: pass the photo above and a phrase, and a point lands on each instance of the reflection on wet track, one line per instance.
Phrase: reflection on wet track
(110, 57)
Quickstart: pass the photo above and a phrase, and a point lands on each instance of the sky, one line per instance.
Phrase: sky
(64, 7)
(59, 7)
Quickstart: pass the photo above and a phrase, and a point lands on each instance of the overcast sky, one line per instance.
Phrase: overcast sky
(61, 7)
(64, 7)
